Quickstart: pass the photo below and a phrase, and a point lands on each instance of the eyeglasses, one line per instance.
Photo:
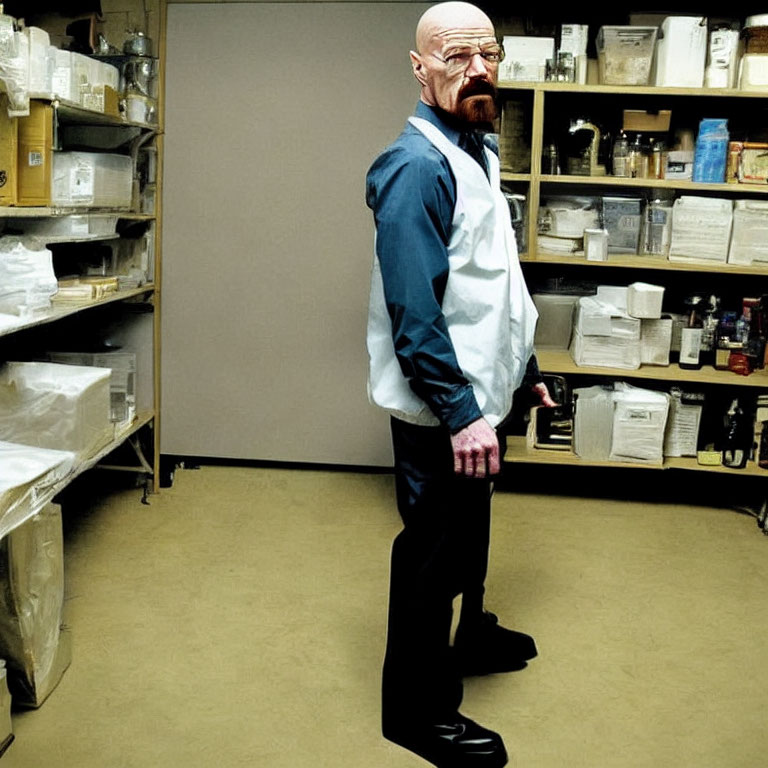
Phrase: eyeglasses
(458, 59)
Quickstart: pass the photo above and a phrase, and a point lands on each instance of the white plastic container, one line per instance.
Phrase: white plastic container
(681, 52)
(64, 81)
(754, 72)
(92, 179)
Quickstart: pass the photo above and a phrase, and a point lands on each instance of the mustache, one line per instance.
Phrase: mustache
(478, 88)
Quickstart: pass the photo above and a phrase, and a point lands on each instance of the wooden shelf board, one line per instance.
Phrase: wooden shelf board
(141, 420)
(37, 212)
(517, 451)
(510, 176)
(626, 90)
(76, 113)
(65, 310)
(560, 361)
(679, 184)
(638, 261)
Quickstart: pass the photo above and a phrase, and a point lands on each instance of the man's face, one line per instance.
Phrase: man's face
(458, 71)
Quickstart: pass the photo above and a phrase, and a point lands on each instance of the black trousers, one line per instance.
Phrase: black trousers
(441, 552)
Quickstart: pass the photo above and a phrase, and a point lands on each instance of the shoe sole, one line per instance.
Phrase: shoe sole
(496, 759)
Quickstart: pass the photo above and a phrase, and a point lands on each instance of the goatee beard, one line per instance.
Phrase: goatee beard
(478, 109)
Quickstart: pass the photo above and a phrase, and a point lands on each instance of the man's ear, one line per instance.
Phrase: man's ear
(418, 67)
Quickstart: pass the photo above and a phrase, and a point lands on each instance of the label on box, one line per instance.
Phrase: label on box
(35, 159)
(81, 182)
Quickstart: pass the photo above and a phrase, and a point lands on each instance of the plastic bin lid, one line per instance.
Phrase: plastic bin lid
(760, 20)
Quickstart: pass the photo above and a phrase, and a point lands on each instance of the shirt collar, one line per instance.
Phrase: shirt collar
(437, 117)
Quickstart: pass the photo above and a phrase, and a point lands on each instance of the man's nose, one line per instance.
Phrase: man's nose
(478, 66)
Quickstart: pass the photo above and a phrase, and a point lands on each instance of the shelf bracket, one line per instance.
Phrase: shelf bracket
(144, 467)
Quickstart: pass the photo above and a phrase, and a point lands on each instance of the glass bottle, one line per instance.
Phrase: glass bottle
(621, 155)
(690, 338)
(709, 332)
(657, 227)
(637, 159)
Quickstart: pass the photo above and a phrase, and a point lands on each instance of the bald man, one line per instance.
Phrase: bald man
(450, 339)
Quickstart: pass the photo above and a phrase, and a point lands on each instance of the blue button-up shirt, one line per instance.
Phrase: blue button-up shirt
(412, 192)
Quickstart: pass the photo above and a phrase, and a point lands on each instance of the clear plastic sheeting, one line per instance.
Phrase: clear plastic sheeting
(36, 651)
(6, 727)
(27, 279)
(14, 66)
(28, 481)
(62, 407)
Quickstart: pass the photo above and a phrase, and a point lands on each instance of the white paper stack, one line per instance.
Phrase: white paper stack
(749, 241)
(61, 407)
(682, 432)
(644, 300)
(701, 229)
(605, 336)
(27, 279)
(31, 607)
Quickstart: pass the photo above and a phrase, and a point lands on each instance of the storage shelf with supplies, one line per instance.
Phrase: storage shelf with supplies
(535, 114)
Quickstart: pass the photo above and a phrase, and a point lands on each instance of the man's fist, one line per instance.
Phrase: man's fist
(476, 450)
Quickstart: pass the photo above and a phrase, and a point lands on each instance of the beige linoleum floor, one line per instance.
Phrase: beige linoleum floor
(239, 621)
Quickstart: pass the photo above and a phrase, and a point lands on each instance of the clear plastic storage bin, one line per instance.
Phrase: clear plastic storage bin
(625, 54)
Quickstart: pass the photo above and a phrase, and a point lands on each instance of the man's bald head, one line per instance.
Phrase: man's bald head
(448, 18)
(456, 61)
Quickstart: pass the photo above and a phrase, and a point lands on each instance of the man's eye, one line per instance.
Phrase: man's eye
(457, 58)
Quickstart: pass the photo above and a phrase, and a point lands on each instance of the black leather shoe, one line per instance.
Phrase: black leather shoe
(487, 648)
(459, 743)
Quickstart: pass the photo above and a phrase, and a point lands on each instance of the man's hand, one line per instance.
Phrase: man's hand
(546, 399)
(476, 450)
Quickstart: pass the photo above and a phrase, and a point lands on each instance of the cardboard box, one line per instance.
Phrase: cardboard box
(35, 155)
(647, 122)
(9, 149)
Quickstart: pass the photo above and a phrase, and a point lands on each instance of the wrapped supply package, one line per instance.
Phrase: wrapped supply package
(36, 651)
(93, 179)
(749, 241)
(14, 66)
(62, 407)
(701, 229)
(644, 300)
(27, 279)
(620, 423)
(28, 479)
(639, 422)
(122, 366)
(605, 335)
(41, 62)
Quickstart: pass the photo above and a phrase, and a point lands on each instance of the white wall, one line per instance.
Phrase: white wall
(274, 112)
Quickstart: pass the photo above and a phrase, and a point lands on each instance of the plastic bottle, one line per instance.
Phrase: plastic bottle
(621, 155)
(711, 156)
(709, 332)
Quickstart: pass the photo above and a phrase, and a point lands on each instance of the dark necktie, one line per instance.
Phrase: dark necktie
(472, 144)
